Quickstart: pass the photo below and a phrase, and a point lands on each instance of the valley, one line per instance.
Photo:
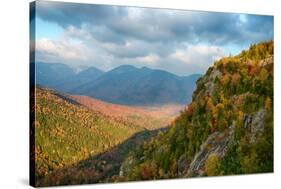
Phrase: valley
(148, 117)
(71, 129)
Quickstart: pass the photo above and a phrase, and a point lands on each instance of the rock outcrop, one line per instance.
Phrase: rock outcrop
(255, 124)
(216, 143)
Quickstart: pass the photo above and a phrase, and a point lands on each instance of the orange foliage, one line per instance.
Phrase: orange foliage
(268, 103)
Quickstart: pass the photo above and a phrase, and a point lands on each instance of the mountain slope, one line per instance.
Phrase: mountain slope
(226, 129)
(132, 86)
(51, 74)
(66, 132)
(74, 131)
(81, 78)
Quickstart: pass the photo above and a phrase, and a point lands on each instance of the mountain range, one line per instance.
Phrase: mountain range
(125, 84)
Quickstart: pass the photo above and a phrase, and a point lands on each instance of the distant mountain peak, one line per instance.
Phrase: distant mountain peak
(145, 68)
(123, 68)
(126, 66)
(80, 68)
(91, 70)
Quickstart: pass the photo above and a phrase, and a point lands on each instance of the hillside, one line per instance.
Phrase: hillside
(67, 132)
(227, 128)
(79, 135)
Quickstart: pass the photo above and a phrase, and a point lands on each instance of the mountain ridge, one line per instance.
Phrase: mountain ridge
(125, 84)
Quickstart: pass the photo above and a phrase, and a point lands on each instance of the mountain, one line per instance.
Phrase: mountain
(71, 129)
(62, 77)
(140, 86)
(227, 128)
(67, 132)
(51, 74)
(125, 84)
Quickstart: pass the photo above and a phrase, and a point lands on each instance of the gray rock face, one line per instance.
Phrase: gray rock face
(182, 165)
(210, 83)
(216, 143)
(255, 124)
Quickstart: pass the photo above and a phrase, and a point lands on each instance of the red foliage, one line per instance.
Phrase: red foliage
(251, 70)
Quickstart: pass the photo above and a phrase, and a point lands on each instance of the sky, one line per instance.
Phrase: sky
(179, 41)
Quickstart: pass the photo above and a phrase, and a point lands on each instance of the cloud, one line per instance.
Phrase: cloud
(63, 13)
(179, 41)
(115, 23)
(60, 49)
(184, 61)
(149, 59)
(129, 48)
(200, 54)
(74, 53)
